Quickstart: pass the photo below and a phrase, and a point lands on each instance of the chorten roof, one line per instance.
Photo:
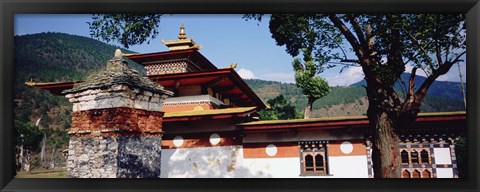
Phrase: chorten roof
(116, 73)
(182, 42)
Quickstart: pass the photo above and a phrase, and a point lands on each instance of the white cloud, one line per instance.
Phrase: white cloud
(246, 74)
(279, 76)
(347, 77)
(409, 67)
(451, 75)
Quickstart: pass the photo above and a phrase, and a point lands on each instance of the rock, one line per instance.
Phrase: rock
(112, 146)
(83, 159)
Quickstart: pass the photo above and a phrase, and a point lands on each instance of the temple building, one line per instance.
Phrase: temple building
(211, 128)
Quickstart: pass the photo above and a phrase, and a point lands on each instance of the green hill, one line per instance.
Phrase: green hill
(54, 57)
(440, 89)
(352, 100)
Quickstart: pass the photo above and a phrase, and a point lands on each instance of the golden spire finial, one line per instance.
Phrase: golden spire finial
(182, 32)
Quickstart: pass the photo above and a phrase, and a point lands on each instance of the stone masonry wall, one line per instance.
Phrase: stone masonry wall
(92, 157)
(114, 157)
(139, 157)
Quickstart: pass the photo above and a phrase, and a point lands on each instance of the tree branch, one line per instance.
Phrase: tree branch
(339, 46)
(369, 37)
(438, 54)
(340, 63)
(348, 35)
(394, 96)
(358, 31)
(422, 91)
(350, 60)
(411, 86)
(418, 44)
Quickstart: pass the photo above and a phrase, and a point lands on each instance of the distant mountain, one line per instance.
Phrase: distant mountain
(60, 57)
(54, 57)
(352, 100)
(446, 89)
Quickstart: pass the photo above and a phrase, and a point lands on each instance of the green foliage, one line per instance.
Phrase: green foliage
(314, 87)
(280, 108)
(311, 85)
(420, 35)
(127, 29)
(27, 134)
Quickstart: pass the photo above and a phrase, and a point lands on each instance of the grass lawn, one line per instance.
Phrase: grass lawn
(43, 173)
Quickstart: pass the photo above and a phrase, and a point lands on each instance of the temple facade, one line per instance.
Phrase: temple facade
(210, 128)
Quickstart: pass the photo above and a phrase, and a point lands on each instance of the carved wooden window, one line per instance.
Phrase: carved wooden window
(416, 174)
(313, 159)
(319, 163)
(424, 156)
(405, 174)
(426, 174)
(404, 155)
(309, 163)
(414, 157)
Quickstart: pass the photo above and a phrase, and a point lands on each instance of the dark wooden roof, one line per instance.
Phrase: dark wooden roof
(192, 55)
(226, 81)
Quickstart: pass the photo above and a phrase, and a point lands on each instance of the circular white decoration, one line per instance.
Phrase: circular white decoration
(178, 141)
(346, 147)
(271, 150)
(214, 139)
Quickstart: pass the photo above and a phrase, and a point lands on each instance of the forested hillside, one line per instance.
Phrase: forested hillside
(352, 100)
(53, 57)
(447, 89)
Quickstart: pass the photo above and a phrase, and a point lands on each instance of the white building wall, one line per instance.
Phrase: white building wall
(273, 167)
(203, 162)
(348, 166)
(442, 155)
(444, 173)
(228, 162)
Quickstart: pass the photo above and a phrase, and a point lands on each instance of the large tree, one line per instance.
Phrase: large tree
(26, 137)
(313, 86)
(382, 45)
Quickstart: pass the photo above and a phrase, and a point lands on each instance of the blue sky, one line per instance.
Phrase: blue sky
(225, 39)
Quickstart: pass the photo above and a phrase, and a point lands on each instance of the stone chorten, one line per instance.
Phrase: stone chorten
(116, 127)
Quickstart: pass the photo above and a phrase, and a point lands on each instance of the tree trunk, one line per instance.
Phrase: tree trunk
(385, 151)
(43, 155)
(308, 109)
(27, 162)
(20, 158)
(52, 159)
(383, 118)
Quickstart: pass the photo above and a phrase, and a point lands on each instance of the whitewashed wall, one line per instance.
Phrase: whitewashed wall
(273, 167)
(203, 162)
(444, 173)
(442, 155)
(228, 162)
(348, 166)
